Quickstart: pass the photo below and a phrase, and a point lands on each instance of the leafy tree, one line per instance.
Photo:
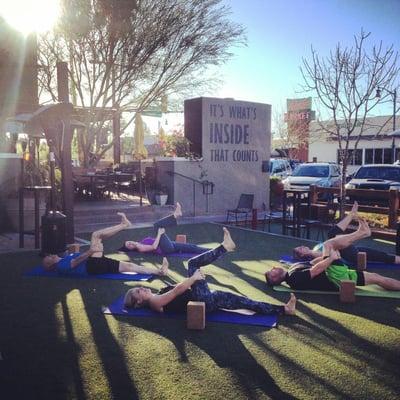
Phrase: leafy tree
(128, 55)
(345, 84)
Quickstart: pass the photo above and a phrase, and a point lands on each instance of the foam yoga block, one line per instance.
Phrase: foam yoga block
(180, 238)
(347, 291)
(361, 261)
(196, 315)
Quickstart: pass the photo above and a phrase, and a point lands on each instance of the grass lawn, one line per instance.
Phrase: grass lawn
(56, 344)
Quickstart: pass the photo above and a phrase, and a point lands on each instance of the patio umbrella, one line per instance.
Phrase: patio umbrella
(140, 150)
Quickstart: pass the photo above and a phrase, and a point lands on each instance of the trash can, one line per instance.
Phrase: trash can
(53, 233)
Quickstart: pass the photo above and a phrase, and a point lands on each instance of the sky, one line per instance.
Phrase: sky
(280, 33)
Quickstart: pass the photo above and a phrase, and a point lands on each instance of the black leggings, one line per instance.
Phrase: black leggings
(349, 253)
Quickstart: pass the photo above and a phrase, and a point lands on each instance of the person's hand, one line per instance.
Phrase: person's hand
(326, 249)
(96, 247)
(161, 231)
(334, 255)
(198, 275)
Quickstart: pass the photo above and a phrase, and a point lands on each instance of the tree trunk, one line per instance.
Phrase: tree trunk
(343, 191)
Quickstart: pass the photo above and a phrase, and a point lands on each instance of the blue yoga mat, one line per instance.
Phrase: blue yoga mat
(39, 271)
(117, 308)
(286, 259)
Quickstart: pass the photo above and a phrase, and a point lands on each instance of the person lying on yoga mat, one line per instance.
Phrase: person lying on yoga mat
(325, 274)
(195, 288)
(93, 261)
(346, 246)
(162, 241)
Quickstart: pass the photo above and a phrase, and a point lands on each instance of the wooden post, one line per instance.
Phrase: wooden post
(361, 261)
(313, 194)
(196, 315)
(347, 291)
(254, 219)
(393, 208)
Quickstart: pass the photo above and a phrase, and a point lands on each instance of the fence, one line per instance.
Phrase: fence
(390, 197)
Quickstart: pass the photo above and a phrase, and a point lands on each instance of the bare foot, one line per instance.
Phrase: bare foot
(354, 210)
(163, 271)
(364, 228)
(290, 306)
(124, 220)
(228, 243)
(178, 210)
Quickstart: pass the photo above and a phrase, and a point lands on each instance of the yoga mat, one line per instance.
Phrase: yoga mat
(286, 259)
(117, 308)
(366, 291)
(126, 276)
(150, 240)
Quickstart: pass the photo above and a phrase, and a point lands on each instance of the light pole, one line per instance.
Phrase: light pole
(394, 97)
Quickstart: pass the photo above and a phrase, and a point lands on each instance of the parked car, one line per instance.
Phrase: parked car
(279, 167)
(375, 176)
(319, 174)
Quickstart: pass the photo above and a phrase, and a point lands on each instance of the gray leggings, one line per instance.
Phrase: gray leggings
(168, 246)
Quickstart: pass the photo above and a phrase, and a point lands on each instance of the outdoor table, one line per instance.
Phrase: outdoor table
(107, 179)
(294, 223)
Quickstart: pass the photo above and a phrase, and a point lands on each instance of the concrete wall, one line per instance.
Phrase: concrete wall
(236, 141)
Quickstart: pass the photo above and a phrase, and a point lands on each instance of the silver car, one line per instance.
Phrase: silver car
(318, 174)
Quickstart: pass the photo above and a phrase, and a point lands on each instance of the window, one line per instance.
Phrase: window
(378, 156)
(369, 156)
(355, 157)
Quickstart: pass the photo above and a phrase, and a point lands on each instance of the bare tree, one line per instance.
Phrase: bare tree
(128, 54)
(292, 132)
(345, 85)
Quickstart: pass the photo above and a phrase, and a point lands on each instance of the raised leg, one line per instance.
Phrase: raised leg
(125, 266)
(342, 241)
(382, 281)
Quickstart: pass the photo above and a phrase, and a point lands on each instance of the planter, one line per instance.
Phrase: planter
(29, 213)
(161, 199)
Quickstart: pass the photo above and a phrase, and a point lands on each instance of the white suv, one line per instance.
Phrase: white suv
(279, 167)
(318, 174)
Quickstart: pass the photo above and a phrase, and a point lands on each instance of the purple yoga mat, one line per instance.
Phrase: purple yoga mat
(117, 308)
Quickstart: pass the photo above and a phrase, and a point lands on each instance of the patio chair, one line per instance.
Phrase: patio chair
(243, 209)
(270, 216)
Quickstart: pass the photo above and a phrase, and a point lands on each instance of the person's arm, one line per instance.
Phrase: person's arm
(94, 248)
(322, 265)
(157, 302)
(147, 248)
(316, 260)
(160, 232)
(82, 257)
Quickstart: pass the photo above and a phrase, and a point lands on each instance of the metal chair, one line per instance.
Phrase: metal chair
(270, 216)
(243, 209)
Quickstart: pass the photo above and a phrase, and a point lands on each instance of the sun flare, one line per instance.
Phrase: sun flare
(29, 16)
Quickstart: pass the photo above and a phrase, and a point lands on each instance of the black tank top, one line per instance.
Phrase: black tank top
(179, 303)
